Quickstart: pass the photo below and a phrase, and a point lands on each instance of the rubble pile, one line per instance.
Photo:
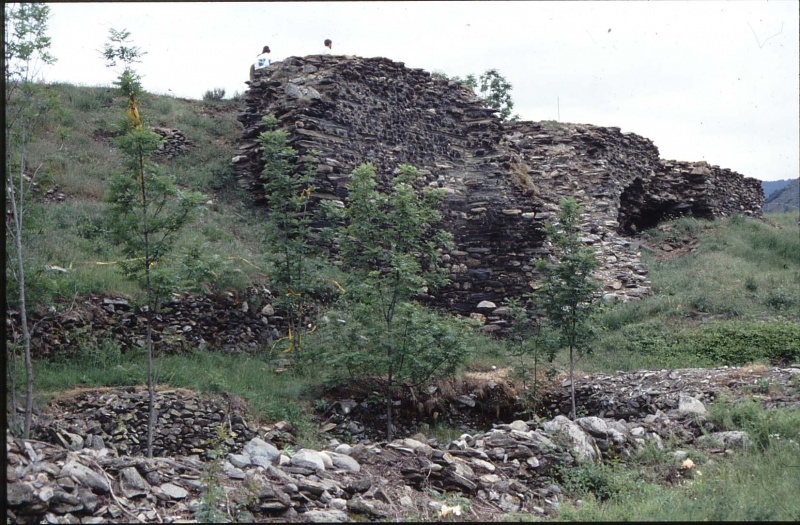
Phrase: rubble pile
(264, 475)
(175, 143)
(117, 418)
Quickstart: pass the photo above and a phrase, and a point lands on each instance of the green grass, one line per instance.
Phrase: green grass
(738, 263)
(735, 299)
(75, 154)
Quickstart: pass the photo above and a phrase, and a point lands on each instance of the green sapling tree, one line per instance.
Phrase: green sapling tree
(392, 242)
(567, 296)
(145, 213)
(493, 89)
(524, 342)
(288, 195)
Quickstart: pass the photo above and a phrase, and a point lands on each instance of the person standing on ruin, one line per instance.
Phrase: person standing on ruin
(328, 46)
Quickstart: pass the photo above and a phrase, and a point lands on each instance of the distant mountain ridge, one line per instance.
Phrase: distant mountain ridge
(785, 199)
(771, 186)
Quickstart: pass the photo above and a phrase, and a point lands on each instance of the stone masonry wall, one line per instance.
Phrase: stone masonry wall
(502, 179)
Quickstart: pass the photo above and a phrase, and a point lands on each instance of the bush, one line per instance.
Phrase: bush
(214, 95)
(600, 480)
(782, 299)
(737, 343)
(732, 343)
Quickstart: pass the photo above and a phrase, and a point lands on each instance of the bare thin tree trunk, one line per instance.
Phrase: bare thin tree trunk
(535, 377)
(151, 394)
(572, 385)
(16, 213)
(11, 371)
(389, 411)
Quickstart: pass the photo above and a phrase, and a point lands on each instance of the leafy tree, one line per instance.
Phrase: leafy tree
(496, 91)
(214, 95)
(119, 50)
(145, 213)
(493, 89)
(288, 195)
(391, 242)
(567, 296)
(27, 48)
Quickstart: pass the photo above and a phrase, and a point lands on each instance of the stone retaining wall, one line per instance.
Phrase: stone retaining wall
(187, 423)
(225, 321)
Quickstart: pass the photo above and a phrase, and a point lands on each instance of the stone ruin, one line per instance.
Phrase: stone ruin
(503, 179)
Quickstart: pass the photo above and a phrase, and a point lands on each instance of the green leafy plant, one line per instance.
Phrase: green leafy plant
(119, 49)
(392, 244)
(525, 341)
(567, 296)
(601, 480)
(214, 95)
(145, 210)
(496, 92)
(210, 510)
(288, 189)
(492, 87)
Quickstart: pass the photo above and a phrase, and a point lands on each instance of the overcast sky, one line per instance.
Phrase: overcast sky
(704, 80)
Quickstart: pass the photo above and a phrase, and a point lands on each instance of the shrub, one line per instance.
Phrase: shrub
(214, 95)
(737, 343)
(731, 343)
(600, 480)
(782, 299)
(765, 427)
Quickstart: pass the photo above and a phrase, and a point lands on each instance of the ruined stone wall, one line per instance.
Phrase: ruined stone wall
(375, 110)
(502, 179)
(594, 165)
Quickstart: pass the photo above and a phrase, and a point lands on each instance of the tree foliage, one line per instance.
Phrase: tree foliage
(119, 49)
(567, 296)
(493, 88)
(145, 225)
(145, 208)
(288, 193)
(392, 243)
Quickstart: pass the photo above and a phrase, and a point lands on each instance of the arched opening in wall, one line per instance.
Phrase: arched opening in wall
(639, 209)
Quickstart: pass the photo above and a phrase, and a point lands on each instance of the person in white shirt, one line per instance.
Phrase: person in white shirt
(328, 48)
(263, 60)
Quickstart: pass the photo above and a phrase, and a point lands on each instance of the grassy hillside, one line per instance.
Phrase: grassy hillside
(73, 159)
(734, 298)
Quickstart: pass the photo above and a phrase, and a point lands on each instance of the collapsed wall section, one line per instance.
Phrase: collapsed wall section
(594, 165)
(688, 188)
